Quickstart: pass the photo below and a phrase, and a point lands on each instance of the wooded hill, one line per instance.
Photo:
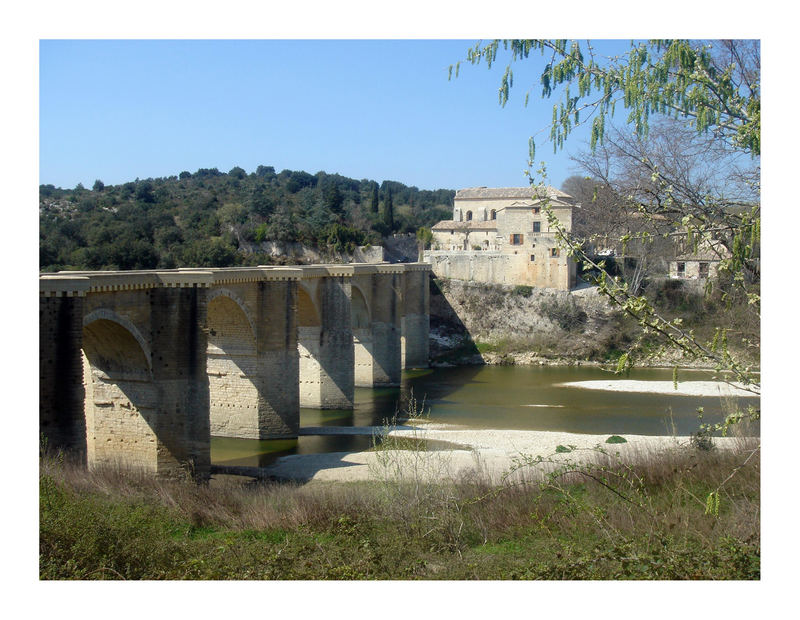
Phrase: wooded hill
(206, 218)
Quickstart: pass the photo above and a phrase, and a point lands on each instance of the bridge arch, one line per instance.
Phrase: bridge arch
(307, 311)
(360, 314)
(121, 398)
(104, 314)
(224, 292)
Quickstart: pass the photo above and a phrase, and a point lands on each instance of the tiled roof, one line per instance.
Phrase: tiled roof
(508, 192)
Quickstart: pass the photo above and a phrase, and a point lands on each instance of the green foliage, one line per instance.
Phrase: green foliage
(388, 211)
(202, 219)
(344, 239)
(374, 200)
(425, 237)
(616, 439)
(671, 77)
(522, 290)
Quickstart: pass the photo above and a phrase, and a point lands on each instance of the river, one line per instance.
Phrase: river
(498, 397)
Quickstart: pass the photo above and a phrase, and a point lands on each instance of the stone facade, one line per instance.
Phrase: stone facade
(697, 264)
(141, 368)
(502, 236)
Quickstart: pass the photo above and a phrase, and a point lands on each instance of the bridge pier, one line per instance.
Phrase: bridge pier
(178, 345)
(416, 317)
(325, 340)
(278, 359)
(386, 326)
(252, 354)
(61, 393)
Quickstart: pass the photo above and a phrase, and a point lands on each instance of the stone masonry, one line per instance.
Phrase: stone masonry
(140, 368)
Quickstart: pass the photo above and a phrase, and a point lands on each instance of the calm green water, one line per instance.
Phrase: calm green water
(502, 397)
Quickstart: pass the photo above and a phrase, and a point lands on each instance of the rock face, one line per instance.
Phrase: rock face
(303, 254)
(479, 323)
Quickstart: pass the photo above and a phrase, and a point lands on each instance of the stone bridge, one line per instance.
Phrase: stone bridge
(140, 368)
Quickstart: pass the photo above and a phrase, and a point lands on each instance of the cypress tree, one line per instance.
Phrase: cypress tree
(388, 210)
(375, 199)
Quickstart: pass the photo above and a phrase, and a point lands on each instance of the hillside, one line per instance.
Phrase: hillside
(216, 219)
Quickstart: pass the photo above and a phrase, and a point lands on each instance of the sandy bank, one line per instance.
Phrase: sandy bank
(489, 452)
(684, 388)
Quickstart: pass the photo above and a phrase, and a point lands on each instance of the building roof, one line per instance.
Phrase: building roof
(526, 193)
(465, 226)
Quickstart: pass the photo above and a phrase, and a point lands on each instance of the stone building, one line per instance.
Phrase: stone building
(699, 263)
(502, 236)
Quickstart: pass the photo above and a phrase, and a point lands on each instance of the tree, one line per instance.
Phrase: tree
(388, 210)
(424, 238)
(714, 88)
(374, 201)
(334, 199)
(600, 215)
(98, 186)
(237, 173)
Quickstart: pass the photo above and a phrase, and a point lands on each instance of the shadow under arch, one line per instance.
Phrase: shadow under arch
(232, 369)
(224, 292)
(307, 313)
(121, 403)
(360, 314)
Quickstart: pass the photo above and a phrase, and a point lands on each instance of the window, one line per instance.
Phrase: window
(533, 258)
(703, 270)
(494, 214)
(536, 210)
(516, 239)
(681, 269)
(554, 252)
(469, 216)
(537, 227)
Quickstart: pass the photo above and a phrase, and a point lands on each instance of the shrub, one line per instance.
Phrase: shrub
(563, 312)
(522, 290)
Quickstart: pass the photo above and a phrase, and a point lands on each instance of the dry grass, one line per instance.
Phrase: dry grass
(565, 520)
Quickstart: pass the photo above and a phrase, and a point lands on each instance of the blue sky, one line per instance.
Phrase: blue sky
(116, 110)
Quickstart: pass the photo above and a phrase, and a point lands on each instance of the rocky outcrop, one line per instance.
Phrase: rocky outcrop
(480, 323)
(303, 254)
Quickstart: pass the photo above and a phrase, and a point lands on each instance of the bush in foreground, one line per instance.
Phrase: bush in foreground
(611, 521)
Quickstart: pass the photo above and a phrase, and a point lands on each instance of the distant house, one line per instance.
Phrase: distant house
(697, 264)
(502, 236)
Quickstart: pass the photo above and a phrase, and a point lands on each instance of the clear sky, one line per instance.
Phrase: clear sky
(378, 109)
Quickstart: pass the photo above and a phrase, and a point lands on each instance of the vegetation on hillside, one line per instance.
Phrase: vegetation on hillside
(216, 219)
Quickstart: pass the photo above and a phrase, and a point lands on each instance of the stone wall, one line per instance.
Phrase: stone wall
(514, 268)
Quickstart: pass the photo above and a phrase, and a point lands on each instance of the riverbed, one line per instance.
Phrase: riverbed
(497, 411)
